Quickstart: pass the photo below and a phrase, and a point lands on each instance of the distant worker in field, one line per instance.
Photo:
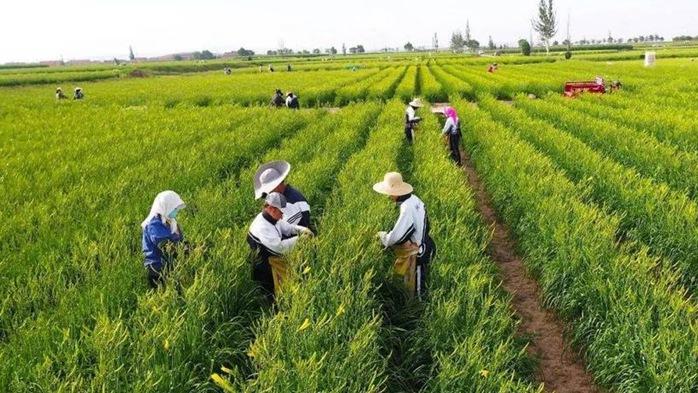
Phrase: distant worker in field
(59, 94)
(288, 67)
(409, 238)
(227, 71)
(452, 133)
(292, 101)
(161, 234)
(277, 100)
(261, 69)
(271, 177)
(78, 95)
(271, 68)
(271, 238)
(411, 118)
(492, 68)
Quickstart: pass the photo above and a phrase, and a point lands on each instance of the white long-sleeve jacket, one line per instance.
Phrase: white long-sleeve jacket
(272, 238)
(412, 224)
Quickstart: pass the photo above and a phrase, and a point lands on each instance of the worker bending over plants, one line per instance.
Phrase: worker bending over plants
(411, 120)
(161, 234)
(409, 238)
(270, 238)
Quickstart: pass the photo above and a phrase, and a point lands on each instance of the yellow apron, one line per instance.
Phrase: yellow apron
(279, 270)
(405, 265)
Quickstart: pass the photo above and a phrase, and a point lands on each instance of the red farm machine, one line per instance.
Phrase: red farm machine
(597, 86)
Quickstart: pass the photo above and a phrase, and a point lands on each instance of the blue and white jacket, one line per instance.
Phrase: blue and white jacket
(155, 235)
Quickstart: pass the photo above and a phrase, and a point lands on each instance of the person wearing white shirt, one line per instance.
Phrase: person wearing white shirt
(452, 131)
(270, 238)
(411, 118)
(409, 237)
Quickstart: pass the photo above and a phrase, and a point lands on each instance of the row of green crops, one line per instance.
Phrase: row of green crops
(429, 87)
(313, 88)
(673, 124)
(405, 90)
(642, 151)
(69, 237)
(167, 330)
(326, 331)
(665, 220)
(635, 336)
(467, 329)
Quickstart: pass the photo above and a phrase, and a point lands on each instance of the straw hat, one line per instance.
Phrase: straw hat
(416, 102)
(393, 185)
(269, 176)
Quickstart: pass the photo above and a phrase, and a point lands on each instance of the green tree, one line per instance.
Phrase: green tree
(131, 56)
(457, 41)
(545, 25)
(409, 47)
(525, 47)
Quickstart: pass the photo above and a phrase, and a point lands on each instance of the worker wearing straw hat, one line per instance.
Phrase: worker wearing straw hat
(161, 233)
(411, 118)
(271, 177)
(59, 94)
(409, 238)
(270, 238)
(78, 95)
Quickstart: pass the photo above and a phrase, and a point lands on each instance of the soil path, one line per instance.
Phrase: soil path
(559, 368)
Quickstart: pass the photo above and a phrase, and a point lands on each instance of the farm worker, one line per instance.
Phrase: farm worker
(411, 119)
(59, 94)
(260, 68)
(271, 69)
(227, 70)
(271, 177)
(270, 238)
(78, 95)
(288, 67)
(452, 132)
(292, 101)
(161, 233)
(277, 100)
(409, 237)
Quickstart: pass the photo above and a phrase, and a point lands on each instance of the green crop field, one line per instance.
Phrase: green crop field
(599, 193)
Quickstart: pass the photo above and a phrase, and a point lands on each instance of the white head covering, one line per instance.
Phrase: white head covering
(269, 176)
(165, 202)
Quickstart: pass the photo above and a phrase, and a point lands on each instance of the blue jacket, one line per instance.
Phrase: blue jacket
(156, 234)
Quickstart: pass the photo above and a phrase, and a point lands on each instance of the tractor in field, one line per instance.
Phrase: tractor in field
(597, 86)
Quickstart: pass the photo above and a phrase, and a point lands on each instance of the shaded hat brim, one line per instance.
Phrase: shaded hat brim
(261, 188)
(399, 190)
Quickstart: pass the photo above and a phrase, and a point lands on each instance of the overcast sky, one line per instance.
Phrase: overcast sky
(32, 30)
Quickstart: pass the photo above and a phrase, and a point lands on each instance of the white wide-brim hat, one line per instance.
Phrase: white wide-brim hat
(393, 185)
(269, 176)
(416, 102)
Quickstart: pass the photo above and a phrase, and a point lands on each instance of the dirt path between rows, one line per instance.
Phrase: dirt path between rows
(560, 369)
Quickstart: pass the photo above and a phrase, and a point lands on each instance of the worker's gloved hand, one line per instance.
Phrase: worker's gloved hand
(303, 231)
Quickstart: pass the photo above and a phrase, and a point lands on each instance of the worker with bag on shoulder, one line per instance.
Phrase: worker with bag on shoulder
(271, 238)
(161, 235)
(411, 118)
(452, 133)
(409, 238)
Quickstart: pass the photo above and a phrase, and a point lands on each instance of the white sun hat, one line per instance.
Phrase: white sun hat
(393, 185)
(276, 199)
(416, 102)
(269, 176)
